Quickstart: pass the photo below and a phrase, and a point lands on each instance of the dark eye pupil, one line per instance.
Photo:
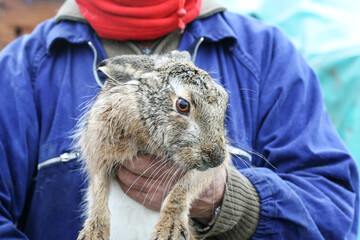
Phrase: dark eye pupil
(183, 104)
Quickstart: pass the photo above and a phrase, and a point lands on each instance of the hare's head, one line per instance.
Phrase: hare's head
(167, 106)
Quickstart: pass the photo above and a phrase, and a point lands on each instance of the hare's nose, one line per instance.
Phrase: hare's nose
(213, 156)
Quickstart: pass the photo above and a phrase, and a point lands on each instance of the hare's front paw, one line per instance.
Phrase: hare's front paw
(94, 232)
(170, 229)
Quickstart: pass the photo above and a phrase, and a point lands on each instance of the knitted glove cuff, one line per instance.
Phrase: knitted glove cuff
(240, 210)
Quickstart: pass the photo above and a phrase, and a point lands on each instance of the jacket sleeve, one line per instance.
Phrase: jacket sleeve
(307, 181)
(18, 135)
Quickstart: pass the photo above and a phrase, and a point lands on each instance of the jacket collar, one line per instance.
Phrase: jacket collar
(213, 29)
(72, 32)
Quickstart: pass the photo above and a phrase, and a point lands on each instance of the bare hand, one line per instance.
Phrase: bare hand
(148, 181)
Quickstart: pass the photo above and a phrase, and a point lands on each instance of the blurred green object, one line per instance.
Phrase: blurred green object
(328, 35)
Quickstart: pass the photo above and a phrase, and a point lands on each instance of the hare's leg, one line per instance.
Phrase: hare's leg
(174, 221)
(97, 224)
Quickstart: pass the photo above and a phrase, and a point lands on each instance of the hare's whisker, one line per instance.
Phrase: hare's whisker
(153, 174)
(142, 174)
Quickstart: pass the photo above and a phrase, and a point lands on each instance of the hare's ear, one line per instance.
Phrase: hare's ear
(126, 69)
(180, 55)
(159, 60)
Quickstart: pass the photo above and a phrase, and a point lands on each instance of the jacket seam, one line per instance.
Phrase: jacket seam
(38, 56)
(253, 70)
(247, 62)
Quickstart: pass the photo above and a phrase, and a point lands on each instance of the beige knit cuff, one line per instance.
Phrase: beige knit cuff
(240, 210)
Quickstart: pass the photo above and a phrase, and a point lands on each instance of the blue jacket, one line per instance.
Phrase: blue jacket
(306, 179)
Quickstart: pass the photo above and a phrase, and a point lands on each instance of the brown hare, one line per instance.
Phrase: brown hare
(162, 106)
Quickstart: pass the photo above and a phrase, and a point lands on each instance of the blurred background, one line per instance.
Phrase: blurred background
(327, 33)
(18, 17)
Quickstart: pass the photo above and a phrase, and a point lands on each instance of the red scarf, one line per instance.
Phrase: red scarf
(138, 19)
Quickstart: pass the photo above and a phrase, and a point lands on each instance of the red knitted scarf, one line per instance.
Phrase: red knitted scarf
(138, 19)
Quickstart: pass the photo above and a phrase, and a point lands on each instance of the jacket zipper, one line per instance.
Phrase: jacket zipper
(196, 48)
(94, 67)
(63, 158)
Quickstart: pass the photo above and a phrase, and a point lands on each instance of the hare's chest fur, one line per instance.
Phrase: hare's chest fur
(129, 219)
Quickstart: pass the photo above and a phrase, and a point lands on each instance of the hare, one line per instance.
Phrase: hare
(162, 106)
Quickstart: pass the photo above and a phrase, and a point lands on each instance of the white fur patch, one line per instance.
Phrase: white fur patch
(129, 219)
(133, 82)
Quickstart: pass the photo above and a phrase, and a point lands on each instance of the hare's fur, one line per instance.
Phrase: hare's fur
(135, 112)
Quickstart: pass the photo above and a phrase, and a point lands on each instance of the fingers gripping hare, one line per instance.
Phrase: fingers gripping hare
(162, 106)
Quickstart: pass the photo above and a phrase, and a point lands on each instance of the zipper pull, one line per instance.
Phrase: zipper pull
(66, 157)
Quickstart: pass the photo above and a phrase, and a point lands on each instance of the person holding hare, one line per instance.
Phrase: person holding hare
(292, 177)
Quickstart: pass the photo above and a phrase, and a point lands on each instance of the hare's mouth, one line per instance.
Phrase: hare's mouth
(211, 156)
(201, 159)
(206, 162)
(202, 166)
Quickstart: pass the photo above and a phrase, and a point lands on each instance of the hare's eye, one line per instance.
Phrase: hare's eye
(182, 106)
